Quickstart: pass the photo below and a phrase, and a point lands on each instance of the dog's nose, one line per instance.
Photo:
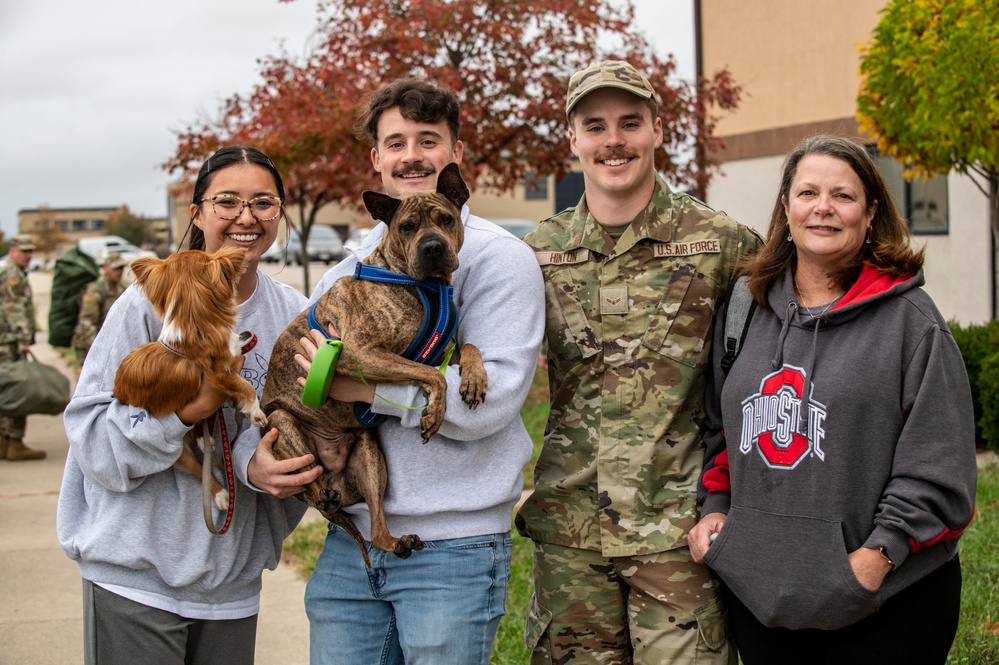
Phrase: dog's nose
(432, 248)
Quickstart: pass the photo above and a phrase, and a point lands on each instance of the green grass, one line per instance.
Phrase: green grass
(974, 644)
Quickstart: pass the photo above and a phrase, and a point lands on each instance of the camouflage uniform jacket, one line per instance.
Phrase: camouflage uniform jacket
(628, 331)
(95, 301)
(17, 309)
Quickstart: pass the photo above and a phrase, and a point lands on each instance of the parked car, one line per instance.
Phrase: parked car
(356, 239)
(100, 246)
(518, 227)
(324, 245)
(274, 253)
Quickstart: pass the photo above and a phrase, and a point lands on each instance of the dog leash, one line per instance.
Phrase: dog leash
(206, 472)
(249, 340)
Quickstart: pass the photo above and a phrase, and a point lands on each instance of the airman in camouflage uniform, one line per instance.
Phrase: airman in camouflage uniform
(629, 311)
(17, 334)
(96, 301)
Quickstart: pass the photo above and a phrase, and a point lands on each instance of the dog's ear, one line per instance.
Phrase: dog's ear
(450, 184)
(381, 206)
(229, 262)
(141, 268)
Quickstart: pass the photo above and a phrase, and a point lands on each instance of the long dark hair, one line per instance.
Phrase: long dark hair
(889, 249)
(223, 157)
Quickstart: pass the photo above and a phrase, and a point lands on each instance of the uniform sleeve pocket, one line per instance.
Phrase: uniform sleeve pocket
(790, 571)
(536, 632)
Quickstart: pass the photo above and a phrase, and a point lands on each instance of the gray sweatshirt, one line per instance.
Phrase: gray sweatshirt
(465, 481)
(853, 429)
(131, 521)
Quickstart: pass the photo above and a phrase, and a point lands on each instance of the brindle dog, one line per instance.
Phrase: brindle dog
(377, 322)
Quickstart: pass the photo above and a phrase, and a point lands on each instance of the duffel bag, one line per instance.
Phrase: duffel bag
(28, 387)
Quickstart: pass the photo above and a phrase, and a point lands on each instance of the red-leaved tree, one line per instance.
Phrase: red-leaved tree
(509, 62)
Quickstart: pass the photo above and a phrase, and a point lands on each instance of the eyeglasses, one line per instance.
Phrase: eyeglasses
(229, 207)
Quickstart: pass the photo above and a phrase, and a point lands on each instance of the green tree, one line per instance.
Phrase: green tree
(133, 228)
(930, 90)
(509, 62)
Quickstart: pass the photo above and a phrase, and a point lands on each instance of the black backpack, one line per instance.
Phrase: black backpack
(73, 271)
(738, 315)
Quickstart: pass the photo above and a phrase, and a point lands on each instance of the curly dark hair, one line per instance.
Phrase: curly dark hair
(419, 101)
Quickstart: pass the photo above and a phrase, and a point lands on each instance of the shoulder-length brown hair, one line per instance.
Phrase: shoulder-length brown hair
(889, 248)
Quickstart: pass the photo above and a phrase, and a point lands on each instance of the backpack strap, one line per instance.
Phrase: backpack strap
(739, 309)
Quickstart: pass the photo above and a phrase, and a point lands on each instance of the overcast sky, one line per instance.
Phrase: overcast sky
(92, 93)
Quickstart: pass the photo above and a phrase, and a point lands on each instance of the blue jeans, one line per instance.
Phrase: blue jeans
(440, 606)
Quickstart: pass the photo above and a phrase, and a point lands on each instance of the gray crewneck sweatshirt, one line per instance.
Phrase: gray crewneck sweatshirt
(131, 521)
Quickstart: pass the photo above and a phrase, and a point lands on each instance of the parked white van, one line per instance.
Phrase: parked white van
(100, 246)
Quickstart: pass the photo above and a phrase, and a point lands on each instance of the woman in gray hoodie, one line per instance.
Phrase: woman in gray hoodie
(840, 450)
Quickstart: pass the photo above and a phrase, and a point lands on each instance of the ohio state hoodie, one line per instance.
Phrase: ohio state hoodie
(853, 429)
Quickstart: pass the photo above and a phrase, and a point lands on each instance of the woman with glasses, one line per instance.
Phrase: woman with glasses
(158, 586)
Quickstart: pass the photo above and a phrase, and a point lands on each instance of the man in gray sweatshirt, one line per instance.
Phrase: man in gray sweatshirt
(442, 605)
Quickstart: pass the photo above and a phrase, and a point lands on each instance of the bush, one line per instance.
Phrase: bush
(988, 393)
(978, 344)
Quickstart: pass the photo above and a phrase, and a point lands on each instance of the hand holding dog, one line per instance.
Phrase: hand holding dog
(279, 477)
(207, 401)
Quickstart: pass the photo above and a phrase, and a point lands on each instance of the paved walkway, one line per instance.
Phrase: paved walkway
(41, 607)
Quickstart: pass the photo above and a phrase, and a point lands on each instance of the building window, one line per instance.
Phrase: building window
(79, 225)
(535, 187)
(97, 225)
(62, 225)
(923, 203)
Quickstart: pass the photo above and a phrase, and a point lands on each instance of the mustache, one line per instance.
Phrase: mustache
(418, 167)
(615, 154)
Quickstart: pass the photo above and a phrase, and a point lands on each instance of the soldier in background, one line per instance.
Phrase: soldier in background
(17, 334)
(633, 274)
(95, 301)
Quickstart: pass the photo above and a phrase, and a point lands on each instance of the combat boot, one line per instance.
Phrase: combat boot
(17, 451)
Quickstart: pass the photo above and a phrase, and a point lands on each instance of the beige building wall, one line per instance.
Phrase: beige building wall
(798, 61)
(799, 65)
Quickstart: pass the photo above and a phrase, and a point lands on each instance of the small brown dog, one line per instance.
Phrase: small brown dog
(377, 321)
(193, 293)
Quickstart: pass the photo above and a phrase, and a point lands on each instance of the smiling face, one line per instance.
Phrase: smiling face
(244, 181)
(411, 154)
(615, 138)
(827, 211)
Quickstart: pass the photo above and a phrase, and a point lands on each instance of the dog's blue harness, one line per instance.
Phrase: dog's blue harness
(434, 341)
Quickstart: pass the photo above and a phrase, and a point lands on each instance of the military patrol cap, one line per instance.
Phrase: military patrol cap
(23, 242)
(606, 74)
(114, 260)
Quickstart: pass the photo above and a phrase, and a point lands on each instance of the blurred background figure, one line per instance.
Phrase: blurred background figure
(17, 334)
(95, 301)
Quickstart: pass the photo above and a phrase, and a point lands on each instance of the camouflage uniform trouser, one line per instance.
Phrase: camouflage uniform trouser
(654, 609)
(12, 428)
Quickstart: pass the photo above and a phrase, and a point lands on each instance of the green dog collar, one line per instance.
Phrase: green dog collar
(320, 378)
